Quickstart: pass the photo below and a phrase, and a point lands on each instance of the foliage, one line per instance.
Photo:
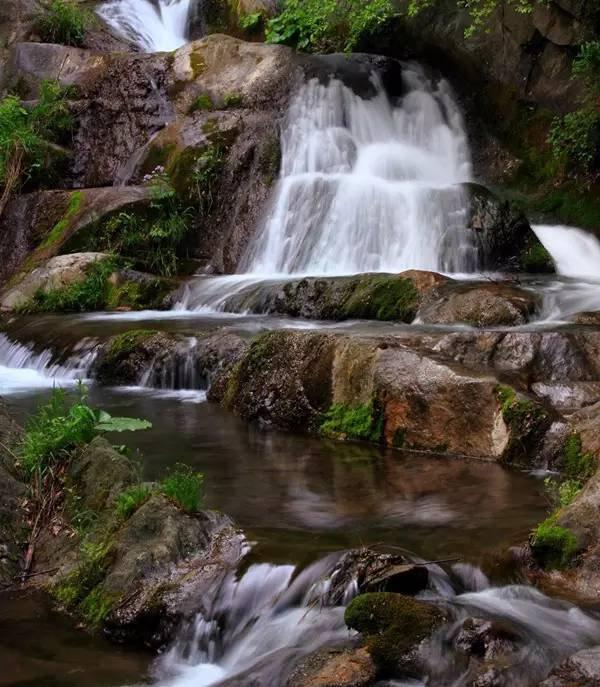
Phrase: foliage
(360, 422)
(27, 135)
(202, 103)
(131, 499)
(480, 11)
(59, 427)
(536, 259)
(152, 238)
(328, 25)
(575, 136)
(577, 465)
(553, 546)
(204, 174)
(562, 493)
(183, 486)
(251, 22)
(106, 423)
(63, 21)
(92, 293)
(233, 100)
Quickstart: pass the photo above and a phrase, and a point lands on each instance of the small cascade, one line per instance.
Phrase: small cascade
(152, 25)
(367, 185)
(178, 373)
(23, 368)
(254, 628)
(576, 254)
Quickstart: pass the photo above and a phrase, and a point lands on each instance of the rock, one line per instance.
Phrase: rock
(47, 220)
(393, 626)
(581, 669)
(334, 668)
(502, 233)
(480, 305)
(364, 570)
(365, 296)
(568, 397)
(484, 639)
(591, 319)
(58, 272)
(168, 360)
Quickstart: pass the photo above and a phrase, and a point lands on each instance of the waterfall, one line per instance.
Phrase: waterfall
(22, 368)
(576, 254)
(368, 185)
(153, 25)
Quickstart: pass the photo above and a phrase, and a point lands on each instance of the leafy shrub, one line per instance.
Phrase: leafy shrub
(59, 426)
(27, 136)
(63, 21)
(328, 25)
(553, 546)
(360, 422)
(183, 486)
(131, 499)
(251, 22)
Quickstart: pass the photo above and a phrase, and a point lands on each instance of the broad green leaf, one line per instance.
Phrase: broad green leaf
(122, 424)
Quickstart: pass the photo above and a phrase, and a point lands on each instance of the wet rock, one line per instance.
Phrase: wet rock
(365, 570)
(39, 225)
(581, 669)
(169, 361)
(480, 305)
(567, 398)
(393, 626)
(58, 272)
(502, 233)
(334, 668)
(484, 639)
(365, 296)
(591, 319)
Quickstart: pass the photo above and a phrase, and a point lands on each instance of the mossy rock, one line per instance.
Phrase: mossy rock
(382, 298)
(124, 357)
(391, 624)
(553, 546)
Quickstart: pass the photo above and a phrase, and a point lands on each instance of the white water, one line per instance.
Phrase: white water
(576, 255)
(152, 25)
(368, 186)
(21, 368)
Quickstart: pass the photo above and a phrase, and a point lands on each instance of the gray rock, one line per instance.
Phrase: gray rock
(582, 669)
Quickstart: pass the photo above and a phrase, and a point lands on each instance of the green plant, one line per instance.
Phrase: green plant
(59, 426)
(251, 22)
(28, 136)
(204, 175)
(233, 100)
(63, 21)
(183, 486)
(577, 465)
(360, 422)
(553, 546)
(202, 103)
(328, 25)
(131, 499)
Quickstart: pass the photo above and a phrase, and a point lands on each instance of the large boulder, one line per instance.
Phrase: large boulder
(582, 668)
(479, 305)
(503, 236)
(334, 668)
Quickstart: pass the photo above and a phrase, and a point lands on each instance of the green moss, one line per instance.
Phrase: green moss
(553, 546)
(361, 422)
(382, 297)
(391, 624)
(516, 410)
(131, 499)
(124, 345)
(57, 232)
(536, 259)
(577, 465)
(197, 64)
(203, 103)
(96, 607)
(73, 589)
(233, 100)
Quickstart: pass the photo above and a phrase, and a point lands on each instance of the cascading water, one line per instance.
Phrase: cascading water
(576, 254)
(254, 629)
(22, 368)
(367, 186)
(153, 25)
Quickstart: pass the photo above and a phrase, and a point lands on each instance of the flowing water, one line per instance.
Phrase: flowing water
(152, 25)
